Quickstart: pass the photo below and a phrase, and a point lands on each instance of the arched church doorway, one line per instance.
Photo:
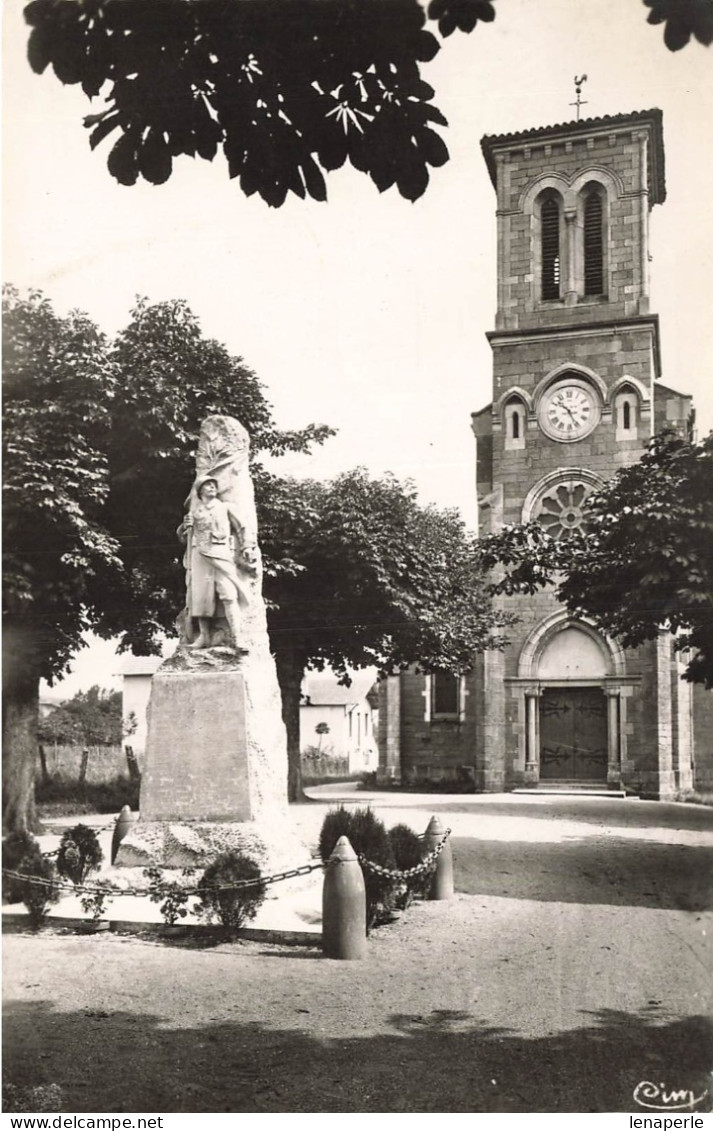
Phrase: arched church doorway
(572, 667)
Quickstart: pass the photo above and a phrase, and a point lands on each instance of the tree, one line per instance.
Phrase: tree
(89, 718)
(98, 449)
(287, 91)
(642, 562)
(59, 388)
(363, 575)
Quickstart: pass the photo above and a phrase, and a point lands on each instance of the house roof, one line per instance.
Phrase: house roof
(325, 691)
(659, 387)
(542, 134)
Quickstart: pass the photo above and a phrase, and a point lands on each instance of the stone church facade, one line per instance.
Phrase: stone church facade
(576, 395)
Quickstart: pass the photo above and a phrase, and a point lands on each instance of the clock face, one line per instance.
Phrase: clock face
(568, 412)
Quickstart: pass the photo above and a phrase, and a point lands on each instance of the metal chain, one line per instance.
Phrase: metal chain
(395, 874)
(104, 829)
(111, 890)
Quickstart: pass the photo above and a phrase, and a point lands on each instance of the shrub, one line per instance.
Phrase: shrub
(94, 902)
(61, 796)
(233, 906)
(17, 848)
(79, 853)
(408, 849)
(37, 898)
(369, 838)
(171, 896)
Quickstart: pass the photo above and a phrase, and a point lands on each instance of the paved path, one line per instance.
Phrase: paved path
(572, 965)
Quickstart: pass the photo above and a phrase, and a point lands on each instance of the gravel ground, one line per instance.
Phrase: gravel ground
(572, 964)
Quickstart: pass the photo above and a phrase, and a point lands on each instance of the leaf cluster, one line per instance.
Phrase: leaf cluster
(682, 19)
(286, 92)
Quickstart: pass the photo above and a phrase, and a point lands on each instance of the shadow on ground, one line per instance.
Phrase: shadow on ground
(624, 873)
(443, 1062)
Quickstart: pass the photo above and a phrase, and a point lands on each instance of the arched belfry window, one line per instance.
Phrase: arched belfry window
(550, 248)
(593, 244)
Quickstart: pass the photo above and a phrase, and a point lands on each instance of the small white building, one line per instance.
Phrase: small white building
(136, 673)
(337, 723)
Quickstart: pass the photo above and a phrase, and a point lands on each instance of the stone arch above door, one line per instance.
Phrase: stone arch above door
(564, 648)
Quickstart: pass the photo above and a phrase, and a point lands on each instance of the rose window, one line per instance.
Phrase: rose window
(560, 508)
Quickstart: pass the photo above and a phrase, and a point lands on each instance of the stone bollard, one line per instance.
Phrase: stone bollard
(122, 826)
(442, 882)
(343, 904)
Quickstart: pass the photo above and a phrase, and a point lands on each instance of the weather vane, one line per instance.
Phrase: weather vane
(578, 91)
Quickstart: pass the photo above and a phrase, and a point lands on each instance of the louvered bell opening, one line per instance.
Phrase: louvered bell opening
(593, 247)
(550, 250)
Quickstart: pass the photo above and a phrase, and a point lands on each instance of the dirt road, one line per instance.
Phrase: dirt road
(572, 965)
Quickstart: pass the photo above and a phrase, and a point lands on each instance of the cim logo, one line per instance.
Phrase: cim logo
(657, 1097)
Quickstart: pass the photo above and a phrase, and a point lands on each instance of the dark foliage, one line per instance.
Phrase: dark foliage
(79, 853)
(234, 906)
(38, 898)
(369, 838)
(61, 796)
(408, 850)
(460, 14)
(17, 848)
(682, 19)
(285, 92)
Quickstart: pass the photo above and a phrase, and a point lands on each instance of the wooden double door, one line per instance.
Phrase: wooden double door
(573, 734)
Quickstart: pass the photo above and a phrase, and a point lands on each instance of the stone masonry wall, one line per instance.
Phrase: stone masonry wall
(617, 152)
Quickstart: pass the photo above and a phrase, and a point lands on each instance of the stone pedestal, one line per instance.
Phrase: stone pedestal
(215, 773)
(196, 764)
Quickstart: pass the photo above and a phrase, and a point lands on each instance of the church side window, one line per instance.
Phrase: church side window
(515, 423)
(593, 244)
(626, 406)
(550, 237)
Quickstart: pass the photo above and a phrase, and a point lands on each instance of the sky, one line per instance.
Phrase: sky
(367, 313)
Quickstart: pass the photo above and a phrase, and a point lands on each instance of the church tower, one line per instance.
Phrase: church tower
(575, 365)
(576, 395)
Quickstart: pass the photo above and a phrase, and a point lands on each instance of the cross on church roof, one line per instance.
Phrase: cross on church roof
(578, 91)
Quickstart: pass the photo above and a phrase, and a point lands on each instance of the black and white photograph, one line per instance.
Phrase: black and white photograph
(357, 439)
